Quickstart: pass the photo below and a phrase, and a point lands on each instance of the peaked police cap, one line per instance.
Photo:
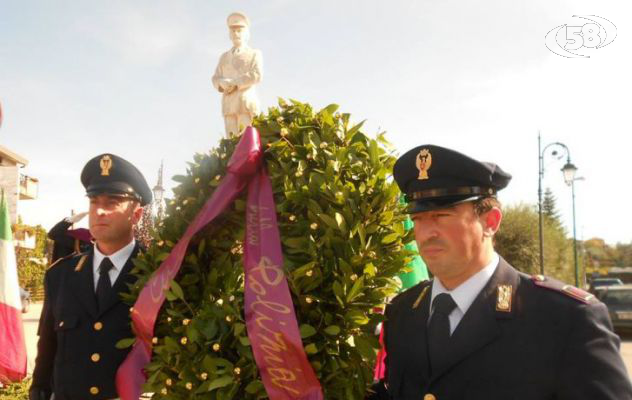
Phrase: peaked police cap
(434, 177)
(110, 174)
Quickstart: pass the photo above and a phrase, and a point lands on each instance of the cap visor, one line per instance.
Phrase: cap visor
(437, 204)
(113, 188)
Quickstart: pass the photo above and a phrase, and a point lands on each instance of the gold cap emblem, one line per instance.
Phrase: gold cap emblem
(503, 298)
(105, 164)
(424, 161)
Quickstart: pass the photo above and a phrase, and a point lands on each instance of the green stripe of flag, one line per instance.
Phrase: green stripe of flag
(5, 221)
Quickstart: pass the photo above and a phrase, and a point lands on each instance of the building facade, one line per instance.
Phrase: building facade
(16, 185)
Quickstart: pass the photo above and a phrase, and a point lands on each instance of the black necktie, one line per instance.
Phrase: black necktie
(104, 285)
(439, 330)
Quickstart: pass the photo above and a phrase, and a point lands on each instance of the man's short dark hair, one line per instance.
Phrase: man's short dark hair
(485, 204)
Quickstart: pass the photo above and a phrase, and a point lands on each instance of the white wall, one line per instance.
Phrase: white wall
(10, 183)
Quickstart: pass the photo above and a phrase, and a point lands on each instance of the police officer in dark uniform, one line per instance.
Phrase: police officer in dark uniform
(480, 329)
(83, 315)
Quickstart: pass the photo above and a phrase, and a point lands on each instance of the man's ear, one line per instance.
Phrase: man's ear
(491, 221)
(137, 214)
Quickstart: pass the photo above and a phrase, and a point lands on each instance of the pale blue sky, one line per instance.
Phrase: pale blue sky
(80, 78)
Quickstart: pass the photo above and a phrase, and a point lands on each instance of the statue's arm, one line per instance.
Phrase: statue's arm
(254, 73)
(218, 77)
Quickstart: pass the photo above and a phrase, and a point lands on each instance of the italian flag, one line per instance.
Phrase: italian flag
(12, 346)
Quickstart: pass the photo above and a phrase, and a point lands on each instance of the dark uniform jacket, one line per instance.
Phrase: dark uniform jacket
(77, 357)
(546, 340)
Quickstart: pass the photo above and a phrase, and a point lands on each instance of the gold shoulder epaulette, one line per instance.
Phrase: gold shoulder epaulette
(82, 261)
(424, 292)
(561, 287)
(60, 259)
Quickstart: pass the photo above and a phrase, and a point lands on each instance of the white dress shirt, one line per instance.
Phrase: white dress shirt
(465, 293)
(118, 258)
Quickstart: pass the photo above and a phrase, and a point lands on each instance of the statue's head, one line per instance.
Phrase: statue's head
(238, 25)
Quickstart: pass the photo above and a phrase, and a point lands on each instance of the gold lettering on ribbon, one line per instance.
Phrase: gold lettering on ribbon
(256, 223)
(283, 375)
(277, 344)
(273, 346)
(255, 286)
(260, 319)
(272, 306)
(158, 287)
(266, 223)
(272, 341)
(160, 281)
(265, 266)
(252, 220)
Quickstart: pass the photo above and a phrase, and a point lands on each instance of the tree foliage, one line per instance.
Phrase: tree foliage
(623, 254)
(600, 256)
(31, 263)
(549, 206)
(518, 242)
(342, 235)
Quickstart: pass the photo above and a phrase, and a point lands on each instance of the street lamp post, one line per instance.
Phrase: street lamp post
(569, 171)
(159, 192)
(540, 173)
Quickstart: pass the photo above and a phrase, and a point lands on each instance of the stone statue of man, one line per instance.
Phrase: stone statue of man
(236, 75)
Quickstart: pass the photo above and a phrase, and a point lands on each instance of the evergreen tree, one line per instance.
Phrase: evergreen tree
(549, 206)
(343, 237)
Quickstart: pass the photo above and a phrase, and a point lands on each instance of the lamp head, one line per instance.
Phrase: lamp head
(569, 171)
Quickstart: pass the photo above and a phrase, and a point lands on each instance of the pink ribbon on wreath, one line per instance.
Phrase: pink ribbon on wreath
(270, 317)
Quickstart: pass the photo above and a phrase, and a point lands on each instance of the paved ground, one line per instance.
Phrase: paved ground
(31, 319)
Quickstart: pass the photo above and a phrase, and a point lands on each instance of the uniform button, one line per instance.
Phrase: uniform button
(94, 390)
(429, 396)
(95, 357)
(61, 324)
(98, 326)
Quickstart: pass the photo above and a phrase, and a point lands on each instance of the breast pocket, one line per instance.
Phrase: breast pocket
(65, 328)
